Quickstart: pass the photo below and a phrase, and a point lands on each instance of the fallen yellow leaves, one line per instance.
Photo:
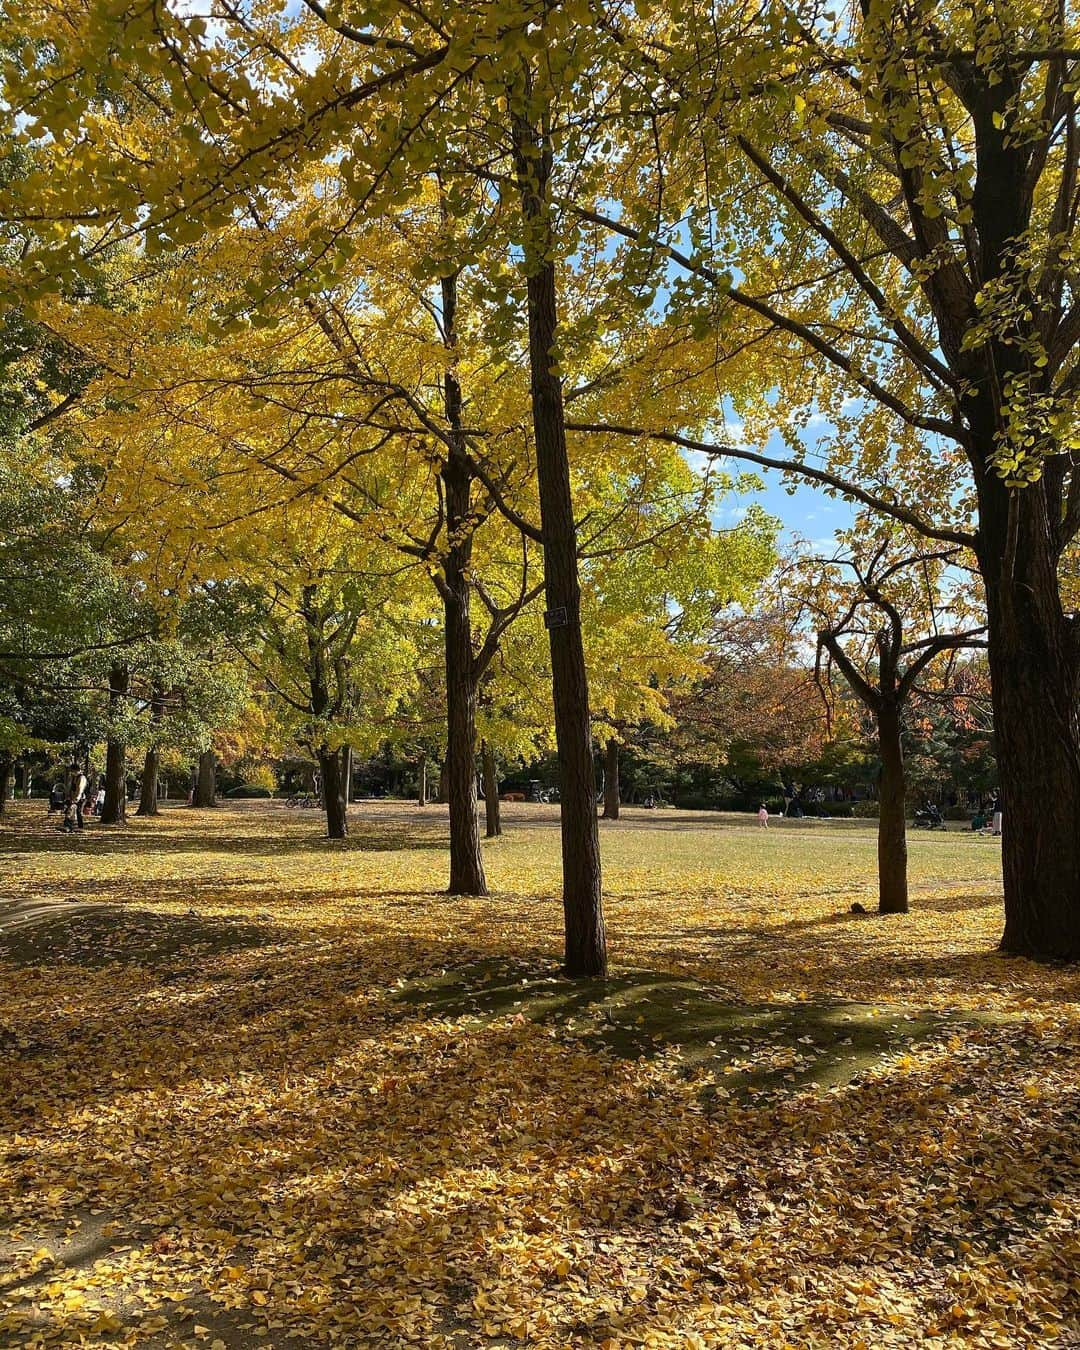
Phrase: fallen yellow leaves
(268, 1091)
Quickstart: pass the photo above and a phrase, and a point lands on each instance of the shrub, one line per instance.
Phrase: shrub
(865, 810)
(750, 804)
(834, 810)
(261, 775)
(249, 790)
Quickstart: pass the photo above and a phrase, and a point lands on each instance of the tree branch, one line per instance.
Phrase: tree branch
(808, 471)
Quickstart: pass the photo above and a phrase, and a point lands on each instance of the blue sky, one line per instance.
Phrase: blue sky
(807, 512)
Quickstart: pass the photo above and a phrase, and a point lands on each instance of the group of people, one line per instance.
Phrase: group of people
(989, 823)
(75, 797)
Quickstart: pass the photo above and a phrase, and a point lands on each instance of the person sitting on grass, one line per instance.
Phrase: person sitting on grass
(993, 825)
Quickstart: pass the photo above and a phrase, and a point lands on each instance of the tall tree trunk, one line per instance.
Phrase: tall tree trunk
(333, 765)
(7, 760)
(114, 809)
(1034, 648)
(26, 778)
(583, 914)
(347, 769)
(206, 781)
(148, 794)
(612, 799)
(1034, 655)
(421, 776)
(441, 791)
(491, 791)
(892, 814)
(466, 860)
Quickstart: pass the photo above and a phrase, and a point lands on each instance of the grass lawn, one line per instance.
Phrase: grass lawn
(257, 1088)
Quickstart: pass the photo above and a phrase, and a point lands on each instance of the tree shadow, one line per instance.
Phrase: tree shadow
(753, 1046)
(440, 1143)
(292, 835)
(96, 934)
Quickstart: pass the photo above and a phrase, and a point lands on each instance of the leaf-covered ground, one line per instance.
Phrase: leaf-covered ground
(260, 1089)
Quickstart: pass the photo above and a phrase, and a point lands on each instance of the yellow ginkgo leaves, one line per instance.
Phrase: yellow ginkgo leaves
(262, 1092)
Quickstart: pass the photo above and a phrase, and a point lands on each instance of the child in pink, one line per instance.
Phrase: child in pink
(763, 816)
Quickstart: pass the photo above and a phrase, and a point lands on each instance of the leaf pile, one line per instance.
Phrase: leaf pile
(263, 1090)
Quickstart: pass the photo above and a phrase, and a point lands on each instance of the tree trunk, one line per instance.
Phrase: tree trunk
(612, 799)
(440, 794)
(114, 809)
(26, 778)
(421, 775)
(1035, 673)
(333, 767)
(491, 791)
(149, 792)
(7, 760)
(466, 860)
(148, 795)
(586, 945)
(206, 781)
(892, 814)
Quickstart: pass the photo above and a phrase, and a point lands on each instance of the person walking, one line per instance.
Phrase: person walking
(763, 816)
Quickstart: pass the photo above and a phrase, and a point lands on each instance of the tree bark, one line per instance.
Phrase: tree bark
(333, 765)
(892, 813)
(421, 775)
(206, 781)
(7, 760)
(149, 792)
(586, 944)
(441, 791)
(491, 791)
(114, 809)
(466, 860)
(612, 799)
(1034, 656)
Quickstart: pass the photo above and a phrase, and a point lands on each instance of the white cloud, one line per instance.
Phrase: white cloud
(697, 459)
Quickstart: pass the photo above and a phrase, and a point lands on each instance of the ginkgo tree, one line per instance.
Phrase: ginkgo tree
(886, 608)
(239, 117)
(876, 208)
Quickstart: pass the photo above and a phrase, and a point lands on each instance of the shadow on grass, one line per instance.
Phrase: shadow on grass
(104, 839)
(99, 934)
(747, 1047)
(303, 1122)
(952, 904)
